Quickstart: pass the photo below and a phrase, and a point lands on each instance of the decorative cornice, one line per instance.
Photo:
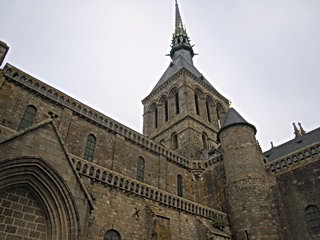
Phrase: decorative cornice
(31, 83)
(124, 183)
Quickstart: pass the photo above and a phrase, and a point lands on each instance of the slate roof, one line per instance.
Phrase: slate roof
(234, 118)
(181, 60)
(293, 145)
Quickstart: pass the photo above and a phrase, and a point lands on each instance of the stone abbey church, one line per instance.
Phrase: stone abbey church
(68, 172)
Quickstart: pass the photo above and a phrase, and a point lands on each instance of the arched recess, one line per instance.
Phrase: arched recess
(220, 114)
(174, 141)
(154, 115)
(209, 107)
(53, 195)
(174, 101)
(198, 101)
(204, 137)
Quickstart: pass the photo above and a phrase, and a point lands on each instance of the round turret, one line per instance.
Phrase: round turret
(250, 200)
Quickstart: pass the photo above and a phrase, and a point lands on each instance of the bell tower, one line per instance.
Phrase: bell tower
(184, 111)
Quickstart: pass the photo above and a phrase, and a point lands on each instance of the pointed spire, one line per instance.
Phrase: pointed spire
(296, 131)
(179, 24)
(302, 131)
(180, 39)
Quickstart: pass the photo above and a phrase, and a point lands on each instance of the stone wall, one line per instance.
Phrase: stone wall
(211, 185)
(138, 218)
(299, 188)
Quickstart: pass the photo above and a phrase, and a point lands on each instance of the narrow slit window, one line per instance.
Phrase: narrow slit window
(196, 101)
(140, 169)
(177, 103)
(208, 111)
(179, 185)
(90, 147)
(28, 117)
(156, 117)
(166, 110)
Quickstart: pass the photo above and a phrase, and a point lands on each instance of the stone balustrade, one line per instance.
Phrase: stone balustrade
(96, 117)
(290, 161)
(200, 164)
(117, 180)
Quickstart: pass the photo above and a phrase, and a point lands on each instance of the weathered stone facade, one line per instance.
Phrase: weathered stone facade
(196, 172)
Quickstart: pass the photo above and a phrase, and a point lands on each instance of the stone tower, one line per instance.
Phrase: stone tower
(249, 195)
(183, 111)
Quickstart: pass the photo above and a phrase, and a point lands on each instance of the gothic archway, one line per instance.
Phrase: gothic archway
(49, 195)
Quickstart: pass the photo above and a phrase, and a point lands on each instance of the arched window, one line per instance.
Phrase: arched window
(313, 219)
(208, 110)
(166, 110)
(179, 185)
(140, 169)
(89, 148)
(174, 141)
(196, 102)
(176, 97)
(28, 117)
(112, 235)
(204, 140)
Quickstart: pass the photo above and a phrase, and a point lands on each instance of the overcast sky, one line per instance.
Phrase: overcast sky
(263, 55)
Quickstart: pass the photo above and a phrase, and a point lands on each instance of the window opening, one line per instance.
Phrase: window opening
(156, 117)
(140, 169)
(89, 148)
(112, 235)
(177, 103)
(166, 110)
(208, 110)
(179, 185)
(313, 218)
(28, 117)
(247, 234)
(196, 101)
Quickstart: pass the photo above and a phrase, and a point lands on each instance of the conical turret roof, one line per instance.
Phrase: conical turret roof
(234, 118)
